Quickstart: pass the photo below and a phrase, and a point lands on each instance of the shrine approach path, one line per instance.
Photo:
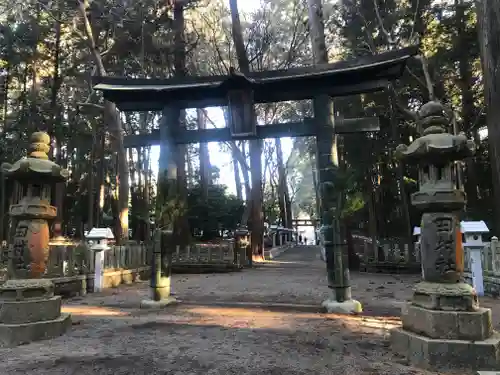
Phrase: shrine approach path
(266, 320)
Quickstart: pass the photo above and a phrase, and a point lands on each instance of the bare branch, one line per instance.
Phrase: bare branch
(428, 81)
(381, 24)
(91, 105)
(232, 145)
(415, 15)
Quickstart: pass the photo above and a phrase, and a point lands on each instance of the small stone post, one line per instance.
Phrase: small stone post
(495, 256)
(242, 241)
(29, 311)
(443, 325)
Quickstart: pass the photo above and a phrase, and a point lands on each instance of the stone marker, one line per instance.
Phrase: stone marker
(29, 311)
(443, 325)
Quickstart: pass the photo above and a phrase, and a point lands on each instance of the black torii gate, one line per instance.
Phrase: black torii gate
(240, 93)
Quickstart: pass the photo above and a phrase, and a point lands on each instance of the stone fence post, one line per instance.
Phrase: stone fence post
(495, 255)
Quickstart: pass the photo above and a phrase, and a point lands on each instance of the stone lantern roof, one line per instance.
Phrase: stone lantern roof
(436, 145)
(37, 164)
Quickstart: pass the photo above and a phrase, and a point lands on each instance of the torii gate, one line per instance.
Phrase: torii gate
(240, 93)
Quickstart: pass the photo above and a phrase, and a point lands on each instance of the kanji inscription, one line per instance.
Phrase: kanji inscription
(438, 243)
(20, 246)
(445, 250)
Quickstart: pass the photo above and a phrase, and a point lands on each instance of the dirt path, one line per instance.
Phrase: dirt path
(222, 328)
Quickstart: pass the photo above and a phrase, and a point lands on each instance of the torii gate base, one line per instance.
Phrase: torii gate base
(162, 292)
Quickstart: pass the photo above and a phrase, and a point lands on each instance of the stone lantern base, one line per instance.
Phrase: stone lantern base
(29, 312)
(444, 328)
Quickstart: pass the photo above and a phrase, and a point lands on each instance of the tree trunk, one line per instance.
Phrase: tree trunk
(372, 218)
(34, 118)
(242, 157)
(55, 115)
(183, 232)
(257, 217)
(100, 179)
(237, 178)
(283, 194)
(288, 206)
(316, 188)
(205, 170)
(56, 83)
(281, 184)
(488, 15)
(91, 182)
(405, 205)
(147, 199)
(113, 120)
(467, 111)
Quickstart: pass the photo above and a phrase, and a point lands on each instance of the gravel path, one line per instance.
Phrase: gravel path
(260, 321)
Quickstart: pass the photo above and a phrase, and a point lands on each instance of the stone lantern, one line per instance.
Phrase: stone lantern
(34, 178)
(29, 310)
(443, 325)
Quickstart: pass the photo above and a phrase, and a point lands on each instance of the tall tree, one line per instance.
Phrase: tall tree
(283, 194)
(488, 15)
(179, 121)
(112, 118)
(204, 156)
(256, 217)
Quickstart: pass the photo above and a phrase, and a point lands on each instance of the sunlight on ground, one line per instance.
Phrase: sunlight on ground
(283, 262)
(249, 318)
(377, 322)
(92, 311)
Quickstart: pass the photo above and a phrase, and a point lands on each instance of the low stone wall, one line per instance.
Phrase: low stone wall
(277, 251)
(116, 277)
(71, 266)
(491, 284)
(80, 285)
(197, 268)
(70, 286)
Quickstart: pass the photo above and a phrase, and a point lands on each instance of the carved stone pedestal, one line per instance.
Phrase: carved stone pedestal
(29, 312)
(444, 328)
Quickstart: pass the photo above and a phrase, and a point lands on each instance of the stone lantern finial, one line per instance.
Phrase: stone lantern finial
(433, 118)
(39, 146)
